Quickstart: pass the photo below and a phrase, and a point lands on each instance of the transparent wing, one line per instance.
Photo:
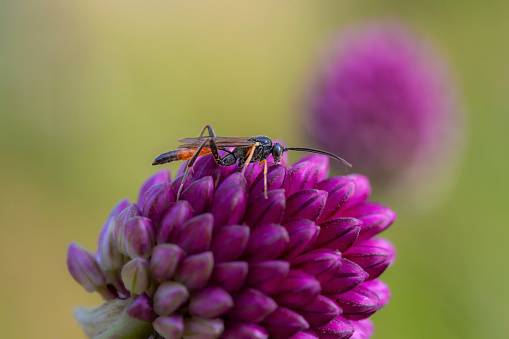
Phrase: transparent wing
(220, 142)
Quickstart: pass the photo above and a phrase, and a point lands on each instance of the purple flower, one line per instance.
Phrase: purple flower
(227, 262)
(383, 101)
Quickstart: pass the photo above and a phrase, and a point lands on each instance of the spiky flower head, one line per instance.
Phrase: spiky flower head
(383, 99)
(227, 262)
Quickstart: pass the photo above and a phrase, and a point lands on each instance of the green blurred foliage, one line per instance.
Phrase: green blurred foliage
(90, 92)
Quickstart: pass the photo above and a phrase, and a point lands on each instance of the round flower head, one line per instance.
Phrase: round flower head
(383, 101)
(226, 261)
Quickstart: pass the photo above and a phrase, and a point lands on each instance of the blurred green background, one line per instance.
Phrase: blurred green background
(90, 92)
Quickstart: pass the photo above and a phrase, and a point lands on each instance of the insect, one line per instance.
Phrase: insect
(245, 151)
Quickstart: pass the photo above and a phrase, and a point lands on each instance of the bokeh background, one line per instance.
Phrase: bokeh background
(91, 92)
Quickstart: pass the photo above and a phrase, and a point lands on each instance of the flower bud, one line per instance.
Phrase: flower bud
(195, 235)
(164, 261)
(199, 194)
(161, 177)
(210, 303)
(374, 256)
(119, 207)
(252, 306)
(203, 328)
(338, 233)
(305, 173)
(319, 311)
(172, 221)
(244, 331)
(307, 204)
(277, 178)
(84, 268)
(109, 256)
(297, 289)
(349, 276)
(284, 322)
(358, 303)
(170, 327)
(136, 276)
(323, 263)
(157, 199)
(339, 190)
(140, 237)
(272, 238)
(268, 210)
(195, 270)
(141, 308)
(266, 276)
(338, 328)
(230, 242)
(169, 296)
(301, 233)
(231, 275)
(229, 205)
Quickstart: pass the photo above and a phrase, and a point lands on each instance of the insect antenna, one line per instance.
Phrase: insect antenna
(311, 150)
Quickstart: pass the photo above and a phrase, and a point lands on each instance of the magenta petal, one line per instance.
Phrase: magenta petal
(307, 204)
(283, 323)
(375, 218)
(340, 189)
(199, 194)
(231, 276)
(350, 275)
(109, 256)
(266, 242)
(119, 207)
(374, 256)
(140, 237)
(163, 176)
(228, 206)
(304, 174)
(297, 289)
(172, 221)
(206, 166)
(277, 178)
(130, 212)
(170, 327)
(361, 192)
(230, 242)
(84, 268)
(195, 270)
(338, 233)
(141, 308)
(175, 184)
(302, 233)
(210, 303)
(233, 179)
(320, 311)
(339, 328)
(157, 199)
(266, 276)
(309, 334)
(136, 275)
(252, 306)
(164, 261)
(195, 235)
(381, 289)
(263, 210)
(364, 329)
(244, 331)
(323, 264)
(358, 303)
(253, 171)
(169, 296)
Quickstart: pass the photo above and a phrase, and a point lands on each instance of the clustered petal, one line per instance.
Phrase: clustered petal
(226, 261)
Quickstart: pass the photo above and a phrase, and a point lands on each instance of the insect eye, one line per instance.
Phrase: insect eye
(277, 151)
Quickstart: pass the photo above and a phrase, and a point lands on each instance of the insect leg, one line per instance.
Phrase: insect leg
(210, 130)
(189, 164)
(250, 156)
(264, 162)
